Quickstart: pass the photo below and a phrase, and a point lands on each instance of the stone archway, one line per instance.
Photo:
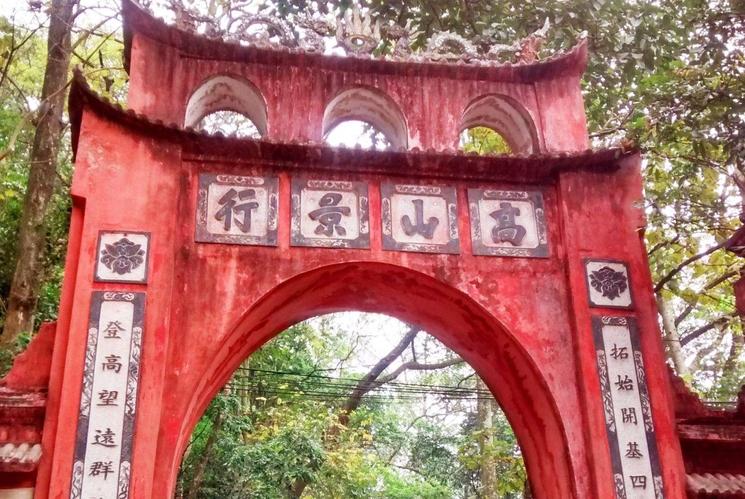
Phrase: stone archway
(447, 313)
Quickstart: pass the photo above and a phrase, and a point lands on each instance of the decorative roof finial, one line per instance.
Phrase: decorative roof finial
(524, 50)
(401, 36)
(357, 33)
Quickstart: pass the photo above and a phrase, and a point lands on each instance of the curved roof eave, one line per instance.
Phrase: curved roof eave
(446, 164)
(137, 20)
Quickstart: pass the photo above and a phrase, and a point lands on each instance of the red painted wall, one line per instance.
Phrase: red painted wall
(433, 106)
(522, 323)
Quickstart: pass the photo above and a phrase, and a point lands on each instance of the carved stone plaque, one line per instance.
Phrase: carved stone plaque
(628, 413)
(421, 218)
(608, 284)
(232, 209)
(330, 214)
(122, 257)
(507, 223)
(103, 450)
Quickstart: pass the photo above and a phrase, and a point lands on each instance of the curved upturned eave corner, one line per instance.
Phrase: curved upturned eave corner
(446, 164)
(137, 20)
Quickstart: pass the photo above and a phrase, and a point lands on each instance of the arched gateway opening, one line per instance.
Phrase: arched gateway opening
(448, 314)
(353, 405)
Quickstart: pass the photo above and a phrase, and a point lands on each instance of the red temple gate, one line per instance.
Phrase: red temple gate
(189, 251)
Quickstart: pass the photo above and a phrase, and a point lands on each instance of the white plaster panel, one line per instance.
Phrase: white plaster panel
(259, 199)
(608, 288)
(402, 205)
(117, 315)
(631, 436)
(310, 201)
(526, 218)
(122, 257)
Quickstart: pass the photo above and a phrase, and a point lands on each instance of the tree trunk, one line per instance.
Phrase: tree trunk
(672, 337)
(485, 421)
(733, 358)
(196, 482)
(24, 290)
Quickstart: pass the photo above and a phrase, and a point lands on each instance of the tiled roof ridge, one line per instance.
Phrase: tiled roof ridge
(716, 484)
(136, 19)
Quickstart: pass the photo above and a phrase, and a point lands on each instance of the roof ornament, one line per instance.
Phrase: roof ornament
(357, 33)
(524, 50)
(189, 19)
(272, 31)
(315, 31)
(401, 37)
(450, 47)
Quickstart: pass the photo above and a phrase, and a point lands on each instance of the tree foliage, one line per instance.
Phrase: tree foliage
(271, 429)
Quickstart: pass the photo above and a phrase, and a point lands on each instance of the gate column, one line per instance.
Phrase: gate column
(604, 221)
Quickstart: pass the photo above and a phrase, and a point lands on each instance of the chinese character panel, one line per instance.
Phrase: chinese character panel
(507, 223)
(237, 210)
(627, 409)
(122, 257)
(420, 218)
(330, 213)
(608, 284)
(102, 460)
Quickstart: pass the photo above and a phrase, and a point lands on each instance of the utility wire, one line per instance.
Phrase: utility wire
(266, 382)
(339, 381)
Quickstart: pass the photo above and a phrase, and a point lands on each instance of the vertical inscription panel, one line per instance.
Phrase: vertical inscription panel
(628, 415)
(103, 446)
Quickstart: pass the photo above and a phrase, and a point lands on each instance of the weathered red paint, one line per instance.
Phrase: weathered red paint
(524, 324)
(30, 369)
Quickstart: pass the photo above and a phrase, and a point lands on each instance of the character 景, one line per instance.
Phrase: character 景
(329, 215)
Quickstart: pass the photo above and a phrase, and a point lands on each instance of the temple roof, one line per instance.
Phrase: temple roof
(716, 485)
(445, 164)
(196, 45)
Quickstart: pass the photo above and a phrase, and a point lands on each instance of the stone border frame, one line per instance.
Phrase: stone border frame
(363, 201)
(146, 263)
(130, 400)
(535, 197)
(598, 321)
(388, 189)
(202, 235)
(587, 260)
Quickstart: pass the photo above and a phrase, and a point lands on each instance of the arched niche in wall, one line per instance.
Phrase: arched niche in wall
(505, 116)
(370, 106)
(223, 97)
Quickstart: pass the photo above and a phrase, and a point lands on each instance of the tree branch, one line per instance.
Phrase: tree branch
(689, 337)
(416, 366)
(662, 244)
(368, 382)
(691, 306)
(684, 264)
